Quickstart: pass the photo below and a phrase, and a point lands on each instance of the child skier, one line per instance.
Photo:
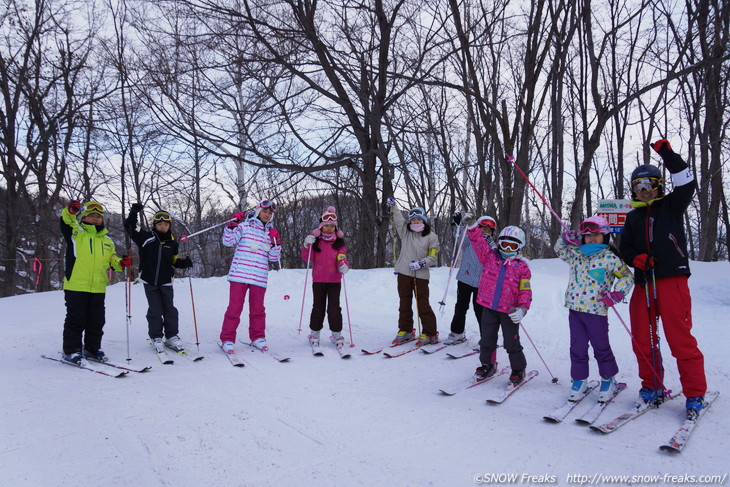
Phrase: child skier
(594, 266)
(257, 243)
(419, 248)
(158, 254)
(325, 249)
(89, 254)
(467, 282)
(505, 296)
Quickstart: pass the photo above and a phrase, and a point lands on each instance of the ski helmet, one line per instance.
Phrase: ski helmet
(508, 237)
(649, 172)
(161, 216)
(594, 224)
(487, 221)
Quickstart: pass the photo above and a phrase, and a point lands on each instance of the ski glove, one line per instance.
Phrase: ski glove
(184, 263)
(643, 262)
(417, 264)
(661, 147)
(275, 237)
(570, 237)
(672, 160)
(343, 267)
(390, 202)
(125, 261)
(238, 217)
(136, 208)
(611, 298)
(456, 219)
(468, 218)
(309, 240)
(516, 314)
(73, 207)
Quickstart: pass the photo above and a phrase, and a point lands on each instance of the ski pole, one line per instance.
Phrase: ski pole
(451, 270)
(392, 238)
(415, 293)
(554, 379)
(304, 294)
(636, 346)
(128, 306)
(347, 309)
(653, 330)
(195, 319)
(562, 223)
(185, 238)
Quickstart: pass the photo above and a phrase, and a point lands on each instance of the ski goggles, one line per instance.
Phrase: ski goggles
(589, 227)
(268, 204)
(508, 245)
(162, 216)
(487, 223)
(645, 184)
(416, 214)
(329, 217)
(92, 207)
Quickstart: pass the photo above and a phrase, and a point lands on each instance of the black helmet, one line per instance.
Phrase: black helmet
(647, 171)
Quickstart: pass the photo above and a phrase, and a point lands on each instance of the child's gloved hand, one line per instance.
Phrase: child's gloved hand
(238, 217)
(414, 265)
(73, 207)
(570, 237)
(136, 208)
(468, 218)
(643, 262)
(611, 298)
(275, 237)
(309, 240)
(390, 202)
(125, 261)
(516, 314)
(343, 267)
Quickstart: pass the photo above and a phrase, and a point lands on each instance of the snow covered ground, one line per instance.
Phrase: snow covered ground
(324, 421)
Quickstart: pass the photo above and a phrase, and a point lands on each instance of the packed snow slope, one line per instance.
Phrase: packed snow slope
(324, 421)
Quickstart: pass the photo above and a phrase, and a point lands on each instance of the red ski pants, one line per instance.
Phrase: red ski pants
(675, 309)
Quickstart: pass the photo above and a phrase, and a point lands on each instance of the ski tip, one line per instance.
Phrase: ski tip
(670, 449)
(550, 419)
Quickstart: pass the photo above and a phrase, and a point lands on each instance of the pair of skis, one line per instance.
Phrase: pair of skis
(341, 349)
(501, 397)
(90, 365)
(592, 414)
(679, 438)
(165, 358)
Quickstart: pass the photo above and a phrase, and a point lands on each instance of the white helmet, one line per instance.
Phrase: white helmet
(512, 234)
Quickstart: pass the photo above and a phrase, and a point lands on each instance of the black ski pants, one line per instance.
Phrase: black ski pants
(85, 317)
(464, 294)
(326, 296)
(162, 316)
(492, 321)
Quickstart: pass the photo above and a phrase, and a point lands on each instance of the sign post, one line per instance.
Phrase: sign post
(614, 211)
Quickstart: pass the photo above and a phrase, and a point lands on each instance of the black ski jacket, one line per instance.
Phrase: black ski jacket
(157, 252)
(657, 229)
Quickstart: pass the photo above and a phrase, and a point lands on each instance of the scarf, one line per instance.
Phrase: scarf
(590, 249)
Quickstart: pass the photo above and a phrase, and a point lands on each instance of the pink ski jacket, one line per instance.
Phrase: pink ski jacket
(325, 262)
(505, 283)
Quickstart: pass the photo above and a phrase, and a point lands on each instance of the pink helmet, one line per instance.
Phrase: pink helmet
(594, 224)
